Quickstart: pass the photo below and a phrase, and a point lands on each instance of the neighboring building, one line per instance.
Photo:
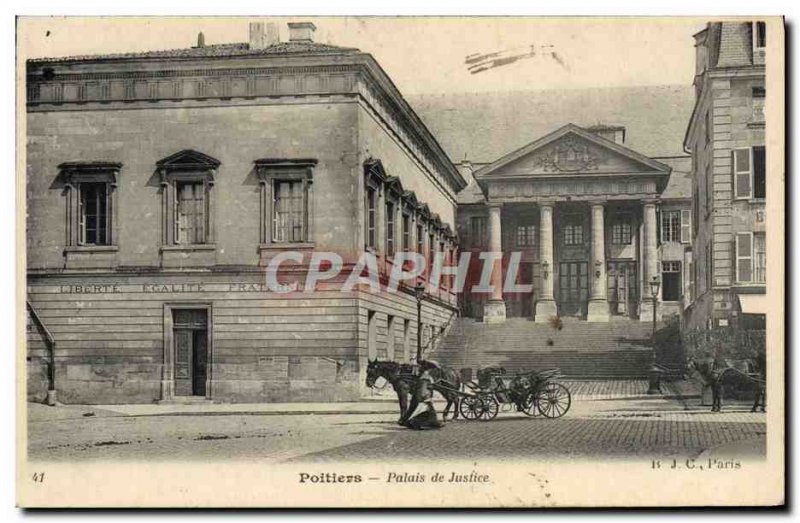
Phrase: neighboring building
(160, 185)
(595, 222)
(726, 139)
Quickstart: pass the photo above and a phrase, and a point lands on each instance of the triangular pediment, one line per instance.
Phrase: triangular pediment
(570, 151)
(188, 159)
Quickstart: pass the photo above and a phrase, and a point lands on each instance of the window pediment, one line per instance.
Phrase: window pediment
(87, 172)
(188, 160)
(188, 165)
(267, 168)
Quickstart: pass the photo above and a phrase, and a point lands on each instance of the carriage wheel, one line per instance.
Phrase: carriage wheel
(490, 407)
(553, 400)
(471, 407)
(529, 406)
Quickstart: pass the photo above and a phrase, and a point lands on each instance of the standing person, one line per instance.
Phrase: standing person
(421, 414)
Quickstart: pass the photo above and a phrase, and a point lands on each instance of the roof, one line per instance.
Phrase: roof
(680, 181)
(657, 167)
(212, 51)
(485, 126)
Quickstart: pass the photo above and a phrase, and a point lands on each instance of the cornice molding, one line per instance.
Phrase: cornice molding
(176, 84)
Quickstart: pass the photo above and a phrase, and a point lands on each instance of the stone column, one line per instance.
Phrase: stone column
(598, 300)
(495, 309)
(546, 305)
(649, 252)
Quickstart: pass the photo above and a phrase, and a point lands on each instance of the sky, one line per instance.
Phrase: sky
(423, 55)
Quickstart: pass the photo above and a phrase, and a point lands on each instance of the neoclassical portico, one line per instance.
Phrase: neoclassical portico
(582, 210)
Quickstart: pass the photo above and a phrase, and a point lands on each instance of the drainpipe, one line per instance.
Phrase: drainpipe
(51, 359)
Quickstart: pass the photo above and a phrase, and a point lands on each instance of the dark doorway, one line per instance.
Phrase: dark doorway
(190, 332)
(573, 288)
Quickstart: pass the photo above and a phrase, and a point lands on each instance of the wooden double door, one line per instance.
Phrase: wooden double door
(190, 335)
(573, 288)
(623, 286)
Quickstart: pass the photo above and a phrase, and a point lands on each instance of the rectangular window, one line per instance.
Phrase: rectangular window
(477, 231)
(742, 173)
(406, 232)
(759, 95)
(431, 252)
(573, 232)
(708, 128)
(671, 226)
(290, 211)
(445, 261)
(744, 257)
(621, 232)
(760, 257)
(761, 34)
(759, 172)
(526, 235)
(420, 240)
(709, 267)
(390, 228)
(94, 216)
(372, 217)
(190, 213)
(671, 280)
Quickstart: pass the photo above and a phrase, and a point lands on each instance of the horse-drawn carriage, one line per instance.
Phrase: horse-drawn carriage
(533, 393)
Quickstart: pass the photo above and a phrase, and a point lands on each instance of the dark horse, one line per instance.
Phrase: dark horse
(446, 382)
(713, 370)
(399, 376)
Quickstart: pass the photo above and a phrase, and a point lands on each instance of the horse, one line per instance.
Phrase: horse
(755, 370)
(712, 370)
(397, 375)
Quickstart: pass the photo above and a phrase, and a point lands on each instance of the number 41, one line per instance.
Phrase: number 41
(38, 477)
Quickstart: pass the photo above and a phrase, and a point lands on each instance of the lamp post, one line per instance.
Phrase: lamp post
(419, 293)
(655, 285)
(654, 385)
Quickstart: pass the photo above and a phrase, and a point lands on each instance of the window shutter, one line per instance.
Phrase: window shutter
(744, 257)
(81, 218)
(741, 173)
(686, 226)
(307, 211)
(275, 211)
(176, 218)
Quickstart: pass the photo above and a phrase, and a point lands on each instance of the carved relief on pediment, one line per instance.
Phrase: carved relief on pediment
(568, 155)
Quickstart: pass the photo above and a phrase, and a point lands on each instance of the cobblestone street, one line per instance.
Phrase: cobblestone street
(606, 429)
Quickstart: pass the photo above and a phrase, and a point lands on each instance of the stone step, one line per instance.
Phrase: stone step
(618, 349)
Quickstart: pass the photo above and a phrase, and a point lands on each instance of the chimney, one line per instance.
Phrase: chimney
(201, 39)
(301, 31)
(263, 35)
(614, 133)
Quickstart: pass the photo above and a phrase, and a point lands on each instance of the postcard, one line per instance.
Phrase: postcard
(400, 262)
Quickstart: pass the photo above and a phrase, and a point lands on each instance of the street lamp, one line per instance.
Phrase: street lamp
(419, 293)
(654, 385)
(655, 285)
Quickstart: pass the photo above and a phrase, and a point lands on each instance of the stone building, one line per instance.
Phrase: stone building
(593, 220)
(161, 184)
(726, 138)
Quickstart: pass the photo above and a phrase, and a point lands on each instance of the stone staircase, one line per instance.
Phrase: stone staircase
(619, 349)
